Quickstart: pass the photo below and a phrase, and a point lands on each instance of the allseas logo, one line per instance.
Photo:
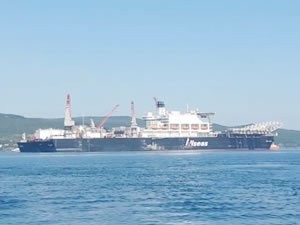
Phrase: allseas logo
(192, 143)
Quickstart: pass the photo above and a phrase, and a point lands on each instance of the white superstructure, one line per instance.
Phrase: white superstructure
(175, 124)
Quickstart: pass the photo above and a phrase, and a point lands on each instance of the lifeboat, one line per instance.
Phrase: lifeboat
(195, 127)
(184, 126)
(204, 127)
(174, 126)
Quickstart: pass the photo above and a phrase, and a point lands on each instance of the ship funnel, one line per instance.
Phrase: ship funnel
(68, 123)
(161, 108)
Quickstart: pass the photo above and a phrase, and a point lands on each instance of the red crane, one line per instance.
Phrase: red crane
(104, 119)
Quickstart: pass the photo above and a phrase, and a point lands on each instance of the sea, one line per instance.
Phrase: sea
(176, 187)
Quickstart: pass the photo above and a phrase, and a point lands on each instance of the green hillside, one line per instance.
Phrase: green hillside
(12, 126)
(288, 138)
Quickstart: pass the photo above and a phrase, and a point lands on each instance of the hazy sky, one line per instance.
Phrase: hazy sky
(240, 59)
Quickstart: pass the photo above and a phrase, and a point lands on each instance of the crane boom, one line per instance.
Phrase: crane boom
(104, 119)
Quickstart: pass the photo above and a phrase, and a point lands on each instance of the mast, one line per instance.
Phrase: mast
(68, 123)
(134, 126)
(133, 117)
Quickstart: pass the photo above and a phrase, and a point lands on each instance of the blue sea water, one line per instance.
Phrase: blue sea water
(150, 188)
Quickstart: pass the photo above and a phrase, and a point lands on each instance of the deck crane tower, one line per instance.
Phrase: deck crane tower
(134, 125)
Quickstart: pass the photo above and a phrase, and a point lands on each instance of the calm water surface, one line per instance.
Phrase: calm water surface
(150, 188)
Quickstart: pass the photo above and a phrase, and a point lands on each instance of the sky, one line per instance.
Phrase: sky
(239, 59)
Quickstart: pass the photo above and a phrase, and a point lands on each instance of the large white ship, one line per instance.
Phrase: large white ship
(164, 130)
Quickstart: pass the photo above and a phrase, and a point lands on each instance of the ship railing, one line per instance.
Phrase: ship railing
(212, 134)
(259, 132)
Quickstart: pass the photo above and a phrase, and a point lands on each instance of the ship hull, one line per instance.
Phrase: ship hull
(220, 142)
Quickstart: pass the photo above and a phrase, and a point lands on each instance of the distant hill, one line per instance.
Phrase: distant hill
(12, 126)
(288, 138)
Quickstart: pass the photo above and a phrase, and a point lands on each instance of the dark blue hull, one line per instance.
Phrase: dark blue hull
(37, 146)
(220, 142)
